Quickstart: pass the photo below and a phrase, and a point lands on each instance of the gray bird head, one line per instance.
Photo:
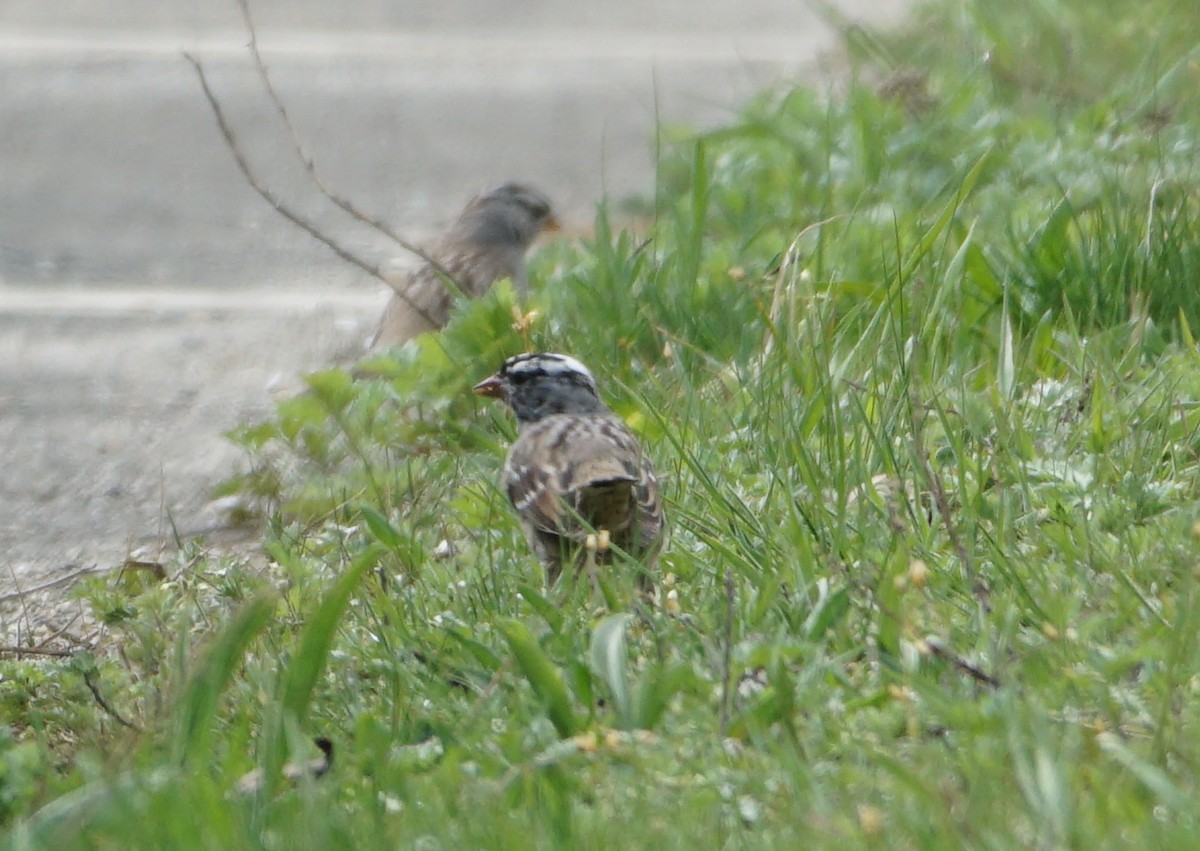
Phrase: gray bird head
(511, 215)
(541, 384)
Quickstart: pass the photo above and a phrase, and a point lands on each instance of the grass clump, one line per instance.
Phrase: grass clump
(916, 360)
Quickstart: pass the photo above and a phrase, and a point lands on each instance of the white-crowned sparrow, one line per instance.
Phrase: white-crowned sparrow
(485, 243)
(575, 467)
(253, 782)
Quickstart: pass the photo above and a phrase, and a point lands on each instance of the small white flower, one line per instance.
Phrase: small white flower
(749, 809)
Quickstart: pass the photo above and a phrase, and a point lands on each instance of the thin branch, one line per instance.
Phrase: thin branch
(53, 583)
(310, 165)
(944, 653)
(105, 705)
(20, 595)
(36, 651)
(61, 631)
(279, 206)
(642, 246)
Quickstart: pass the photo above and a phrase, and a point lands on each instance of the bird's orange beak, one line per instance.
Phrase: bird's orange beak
(552, 224)
(492, 387)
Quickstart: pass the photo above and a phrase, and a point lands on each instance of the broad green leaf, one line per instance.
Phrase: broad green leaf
(1006, 366)
(381, 528)
(827, 613)
(198, 703)
(312, 650)
(297, 413)
(547, 684)
(308, 663)
(932, 234)
(405, 547)
(483, 654)
(1150, 776)
(658, 684)
(609, 660)
(550, 613)
(333, 387)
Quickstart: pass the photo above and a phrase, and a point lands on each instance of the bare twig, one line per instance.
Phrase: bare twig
(641, 246)
(20, 595)
(105, 705)
(60, 635)
(941, 651)
(53, 583)
(61, 631)
(310, 165)
(727, 654)
(280, 207)
(10, 650)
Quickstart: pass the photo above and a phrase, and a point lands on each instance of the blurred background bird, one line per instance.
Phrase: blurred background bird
(487, 242)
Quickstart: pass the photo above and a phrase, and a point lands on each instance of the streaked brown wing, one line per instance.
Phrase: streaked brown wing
(568, 474)
(473, 271)
(646, 533)
(565, 454)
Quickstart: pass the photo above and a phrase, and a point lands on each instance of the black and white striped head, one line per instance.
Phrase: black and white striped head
(511, 215)
(538, 385)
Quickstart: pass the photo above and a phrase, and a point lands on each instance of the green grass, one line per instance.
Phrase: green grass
(916, 362)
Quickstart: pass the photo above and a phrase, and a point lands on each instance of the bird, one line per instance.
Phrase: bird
(488, 241)
(254, 781)
(576, 476)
